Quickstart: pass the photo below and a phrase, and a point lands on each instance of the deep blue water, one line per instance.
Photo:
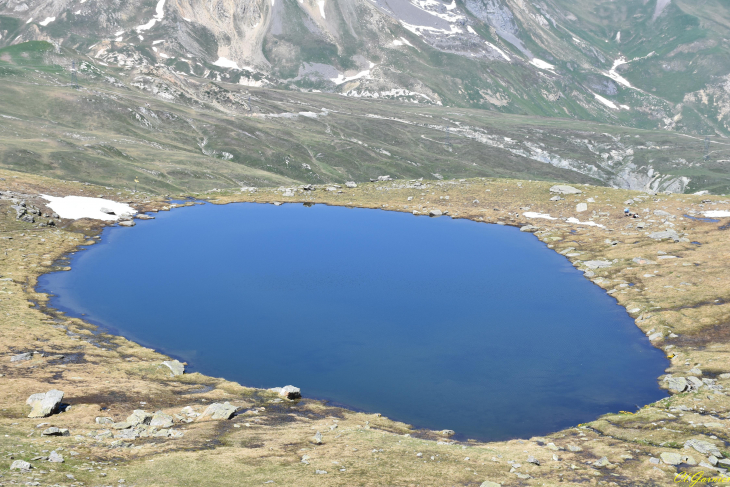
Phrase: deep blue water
(436, 322)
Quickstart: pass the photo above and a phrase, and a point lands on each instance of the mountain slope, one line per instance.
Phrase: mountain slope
(652, 64)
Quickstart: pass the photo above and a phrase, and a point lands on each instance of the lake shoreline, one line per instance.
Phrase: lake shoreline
(140, 372)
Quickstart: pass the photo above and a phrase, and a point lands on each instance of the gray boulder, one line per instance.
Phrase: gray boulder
(671, 458)
(704, 447)
(175, 366)
(488, 483)
(677, 384)
(564, 189)
(642, 261)
(317, 438)
(581, 207)
(529, 228)
(54, 431)
(531, 459)
(161, 420)
(139, 417)
(351, 184)
(21, 465)
(42, 407)
(289, 392)
(107, 211)
(21, 357)
(665, 234)
(662, 213)
(694, 382)
(55, 457)
(104, 420)
(597, 264)
(127, 223)
(219, 411)
(435, 213)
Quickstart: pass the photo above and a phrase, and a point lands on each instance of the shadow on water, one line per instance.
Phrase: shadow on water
(440, 323)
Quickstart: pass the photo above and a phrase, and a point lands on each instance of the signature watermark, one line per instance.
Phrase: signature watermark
(699, 478)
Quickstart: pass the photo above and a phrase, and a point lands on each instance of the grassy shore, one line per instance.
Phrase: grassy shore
(681, 298)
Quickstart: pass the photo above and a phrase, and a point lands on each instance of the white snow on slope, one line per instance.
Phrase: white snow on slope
(342, 79)
(159, 15)
(617, 77)
(76, 207)
(320, 3)
(532, 214)
(717, 213)
(29, 20)
(578, 222)
(47, 21)
(539, 63)
(606, 102)
(226, 63)
(498, 50)
(419, 29)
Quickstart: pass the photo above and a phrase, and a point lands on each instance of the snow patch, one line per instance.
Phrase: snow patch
(47, 21)
(119, 33)
(159, 15)
(618, 36)
(589, 223)
(154, 43)
(717, 213)
(539, 63)
(532, 214)
(76, 207)
(617, 77)
(29, 20)
(226, 63)
(606, 102)
(342, 79)
(320, 3)
(505, 56)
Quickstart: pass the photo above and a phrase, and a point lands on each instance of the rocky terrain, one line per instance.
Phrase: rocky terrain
(82, 406)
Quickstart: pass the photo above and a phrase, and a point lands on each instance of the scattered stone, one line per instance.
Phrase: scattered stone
(597, 264)
(529, 228)
(21, 465)
(531, 459)
(448, 432)
(46, 404)
(351, 184)
(695, 371)
(642, 261)
(104, 420)
(289, 392)
(54, 431)
(655, 336)
(665, 234)
(581, 207)
(564, 189)
(139, 417)
(671, 458)
(677, 384)
(21, 357)
(175, 366)
(694, 382)
(704, 447)
(55, 457)
(574, 448)
(523, 476)
(320, 472)
(435, 213)
(218, 411)
(107, 211)
(125, 223)
(552, 446)
(305, 459)
(556, 198)
(602, 462)
(725, 375)
(488, 483)
(317, 438)
(662, 213)
(161, 420)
